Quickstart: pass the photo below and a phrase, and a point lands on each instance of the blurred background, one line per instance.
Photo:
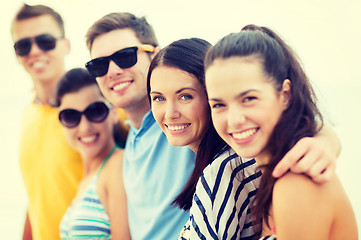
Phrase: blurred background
(326, 34)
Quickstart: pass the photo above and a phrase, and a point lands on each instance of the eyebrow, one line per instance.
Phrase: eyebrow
(178, 91)
(237, 96)
(154, 92)
(186, 88)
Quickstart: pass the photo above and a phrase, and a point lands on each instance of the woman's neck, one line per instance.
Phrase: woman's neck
(263, 158)
(92, 163)
(194, 146)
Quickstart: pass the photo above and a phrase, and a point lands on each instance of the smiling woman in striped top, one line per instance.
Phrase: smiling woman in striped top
(99, 209)
(222, 184)
(263, 103)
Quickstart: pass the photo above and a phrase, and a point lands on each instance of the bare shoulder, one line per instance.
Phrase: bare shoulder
(297, 193)
(323, 209)
(112, 170)
(291, 181)
(117, 158)
(294, 183)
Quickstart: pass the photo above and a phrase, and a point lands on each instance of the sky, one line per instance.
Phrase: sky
(326, 34)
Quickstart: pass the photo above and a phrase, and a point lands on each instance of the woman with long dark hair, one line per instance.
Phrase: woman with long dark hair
(262, 103)
(222, 184)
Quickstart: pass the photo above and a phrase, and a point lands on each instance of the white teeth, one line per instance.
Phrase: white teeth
(121, 85)
(88, 139)
(38, 64)
(244, 134)
(176, 128)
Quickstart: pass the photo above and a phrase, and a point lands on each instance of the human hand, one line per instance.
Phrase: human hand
(308, 156)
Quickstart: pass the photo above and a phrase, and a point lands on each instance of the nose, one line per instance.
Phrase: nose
(84, 124)
(114, 70)
(35, 50)
(236, 116)
(171, 111)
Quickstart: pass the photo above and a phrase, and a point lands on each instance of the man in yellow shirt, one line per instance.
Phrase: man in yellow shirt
(51, 169)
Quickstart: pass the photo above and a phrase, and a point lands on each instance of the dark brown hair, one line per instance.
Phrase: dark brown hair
(298, 120)
(113, 21)
(27, 11)
(188, 55)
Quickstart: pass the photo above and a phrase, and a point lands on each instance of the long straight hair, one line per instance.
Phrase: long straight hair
(298, 120)
(188, 55)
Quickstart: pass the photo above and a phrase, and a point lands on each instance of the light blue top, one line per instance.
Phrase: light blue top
(154, 174)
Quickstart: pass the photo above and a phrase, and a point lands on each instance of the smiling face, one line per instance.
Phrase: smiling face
(179, 106)
(125, 88)
(42, 65)
(90, 139)
(244, 103)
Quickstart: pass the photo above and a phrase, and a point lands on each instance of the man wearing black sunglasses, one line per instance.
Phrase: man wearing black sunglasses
(121, 47)
(51, 169)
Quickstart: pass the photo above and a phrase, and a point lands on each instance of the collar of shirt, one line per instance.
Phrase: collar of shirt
(148, 120)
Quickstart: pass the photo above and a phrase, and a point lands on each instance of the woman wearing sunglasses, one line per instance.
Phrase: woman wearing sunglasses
(99, 209)
(222, 184)
(262, 103)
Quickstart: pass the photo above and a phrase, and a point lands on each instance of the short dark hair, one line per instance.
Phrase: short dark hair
(188, 55)
(72, 81)
(113, 21)
(28, 11)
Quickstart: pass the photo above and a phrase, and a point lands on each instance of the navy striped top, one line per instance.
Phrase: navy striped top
(271, 237)
(220, 207)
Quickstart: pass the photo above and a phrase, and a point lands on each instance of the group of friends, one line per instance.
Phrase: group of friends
(189, 141)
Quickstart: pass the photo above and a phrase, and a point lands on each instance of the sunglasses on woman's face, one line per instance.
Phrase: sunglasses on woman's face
(45, 42)
(96, 112)
(124, 58)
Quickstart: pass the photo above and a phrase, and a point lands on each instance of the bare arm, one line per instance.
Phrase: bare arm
(116, 202)
(314, 156)
(27, 234)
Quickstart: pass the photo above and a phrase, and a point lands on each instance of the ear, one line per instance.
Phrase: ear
(286, 94)
(67, 46)
(156, 50)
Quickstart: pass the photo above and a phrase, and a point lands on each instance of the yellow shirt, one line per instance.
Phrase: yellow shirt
(51, 170)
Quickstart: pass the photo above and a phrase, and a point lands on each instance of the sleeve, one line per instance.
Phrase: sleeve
(215, 211)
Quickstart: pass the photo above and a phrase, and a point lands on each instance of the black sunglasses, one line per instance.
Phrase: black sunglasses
(124, 58)
(45, 42)
(96, 112)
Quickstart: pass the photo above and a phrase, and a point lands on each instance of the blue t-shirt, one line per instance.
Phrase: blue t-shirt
(154, 174)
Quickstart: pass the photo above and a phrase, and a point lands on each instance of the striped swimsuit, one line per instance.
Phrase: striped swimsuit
(87, 218)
